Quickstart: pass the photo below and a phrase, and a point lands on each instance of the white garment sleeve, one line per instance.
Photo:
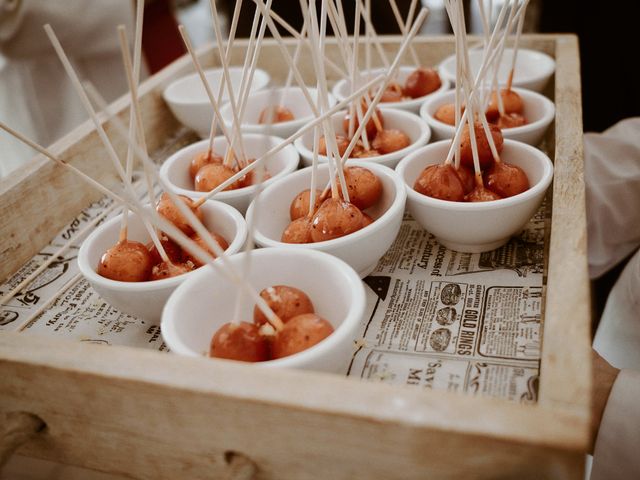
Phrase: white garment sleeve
(612, 177)
(618, 336)
(85, 27)
(617, 451)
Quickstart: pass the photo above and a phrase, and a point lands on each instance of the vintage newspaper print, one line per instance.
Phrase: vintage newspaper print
(436, 319)
(59, 302)
(445, 320)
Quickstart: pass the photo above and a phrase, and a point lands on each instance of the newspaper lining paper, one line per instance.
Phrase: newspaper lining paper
(435, 318)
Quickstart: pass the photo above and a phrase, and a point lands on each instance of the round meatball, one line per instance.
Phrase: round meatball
(421, 82)
(276, 114)
(484, 151)
(212, 175)
(126, 261)
(388, 141)
(300, 205)
(239, 341)
(440, 181)
(364, 187)
(198, 240)
(300, 333)
(202, 159)
(335, 218)
(285, 301)
(506, 180)
(170, 211)
(481, 194)
(298, 231)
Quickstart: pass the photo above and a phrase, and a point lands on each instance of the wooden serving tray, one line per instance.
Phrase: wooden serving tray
(150, 415)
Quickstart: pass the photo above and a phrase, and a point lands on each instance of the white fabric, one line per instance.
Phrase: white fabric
(618, 336)
(612, 176)
(36, 96)
(617, 451)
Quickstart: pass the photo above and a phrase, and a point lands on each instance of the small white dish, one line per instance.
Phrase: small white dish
(293, 99)
(188, 100)
(342, 89)
(338, 296)
(175, 170)
(145, 300)
(538, 110)
(533, 69)
(482, 226)
(362, 249)
(416, 129)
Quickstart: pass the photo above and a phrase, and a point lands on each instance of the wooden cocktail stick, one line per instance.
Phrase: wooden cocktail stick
(220, 97)
(487, 60)
(387, 78)
(340, 31)
(295, 34)
(111, 153)
(458, 87)
(404, 26)
(516, 44)
(247, 76)
(296, 57)
(376, 119)
(316, 44)
(314, 173)
(233, 100)
(460, 119)
(132, 122)
(363, 136)
(135, 106)
(75, 81)
(354, 68)
(292, 138)
(366, 16)
(287, 56)
(498, 60)
(205, 82)
(367, 36)
(479, 113)
(98, 186)
(459, 17)
(236, 134)
(472, 136)
(6, 298)
(176, 234)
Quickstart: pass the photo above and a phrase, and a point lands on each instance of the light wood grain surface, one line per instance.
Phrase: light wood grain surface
(100, 403)
(151, 415)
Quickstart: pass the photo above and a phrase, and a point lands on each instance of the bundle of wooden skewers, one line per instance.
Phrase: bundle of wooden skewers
(352, 126)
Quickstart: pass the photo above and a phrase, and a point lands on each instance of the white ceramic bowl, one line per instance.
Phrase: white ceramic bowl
(146, 299)
(538, 110)
(362, 249)
(476, 227)
(342, 89)
(175, 170)
(418, 131)
(188, 321)
(292, 98)
(190, 104)
(533, 69)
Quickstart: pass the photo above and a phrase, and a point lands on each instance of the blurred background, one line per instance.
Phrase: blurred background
(36, 99)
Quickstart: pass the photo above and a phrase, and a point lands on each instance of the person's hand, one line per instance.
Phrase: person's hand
(604, 376)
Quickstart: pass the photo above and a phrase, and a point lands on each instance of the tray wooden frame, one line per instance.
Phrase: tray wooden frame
(151, 415)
